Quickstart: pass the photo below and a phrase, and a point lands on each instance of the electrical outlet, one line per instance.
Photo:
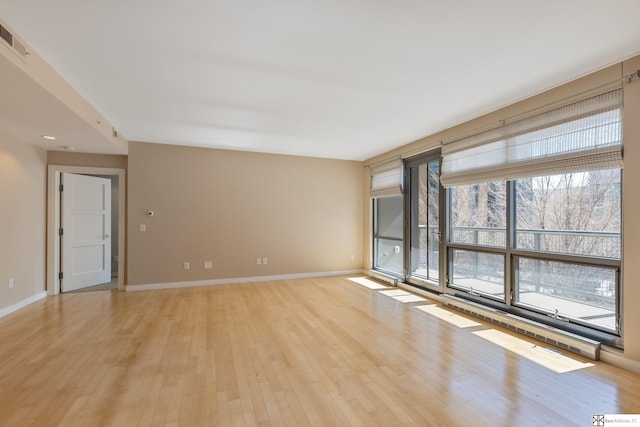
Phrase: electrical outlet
(10, 282)
(264, 261)
(186, 265)
(353, 257)
(208, 265)
(258, 261)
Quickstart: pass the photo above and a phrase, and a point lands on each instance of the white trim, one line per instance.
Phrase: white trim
(25, 302)
(53, 220)
(235, 280)
(616, 357)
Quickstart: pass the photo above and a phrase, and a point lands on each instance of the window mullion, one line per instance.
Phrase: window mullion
(509, 273)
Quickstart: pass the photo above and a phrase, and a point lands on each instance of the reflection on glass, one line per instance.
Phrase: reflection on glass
(425, 225)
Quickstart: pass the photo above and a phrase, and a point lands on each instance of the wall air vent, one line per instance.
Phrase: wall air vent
(16, 45)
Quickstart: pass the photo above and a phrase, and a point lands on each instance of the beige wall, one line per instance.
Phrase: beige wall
(598, 82)
(230, 207)
(23, 221)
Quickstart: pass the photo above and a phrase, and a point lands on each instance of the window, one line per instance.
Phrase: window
(535, 216)
(388, 217)
(577, 216)
(580, 293)
(388, 238)
(479, 273)
(478, 217)
(574, 213)
(479, 214)
(525, 217)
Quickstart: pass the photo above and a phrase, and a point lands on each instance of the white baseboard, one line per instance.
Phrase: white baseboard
(616, 357)
(235, 280)
(25, 302)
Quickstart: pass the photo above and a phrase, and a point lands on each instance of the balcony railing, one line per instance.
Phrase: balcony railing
(591, 243)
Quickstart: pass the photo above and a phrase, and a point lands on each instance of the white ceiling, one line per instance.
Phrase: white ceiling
(345, 79)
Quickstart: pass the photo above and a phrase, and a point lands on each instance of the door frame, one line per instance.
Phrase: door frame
(53, 220)
(409, 194)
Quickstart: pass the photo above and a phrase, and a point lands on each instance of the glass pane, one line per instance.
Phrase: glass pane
(388, 234)
(478, 214)
(389, 216)
(425, 221)
(388, 255)
(478, 272)
(575, 213)
(572, 291)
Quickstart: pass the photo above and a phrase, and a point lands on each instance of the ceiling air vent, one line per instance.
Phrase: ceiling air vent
(17, 45)
(6, 35)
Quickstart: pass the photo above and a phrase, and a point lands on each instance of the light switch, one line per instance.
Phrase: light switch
(143, 227)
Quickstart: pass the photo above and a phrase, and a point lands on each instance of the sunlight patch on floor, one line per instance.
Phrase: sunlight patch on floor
(448, 316)
(402, 296)
(543, 356)
(367, 283)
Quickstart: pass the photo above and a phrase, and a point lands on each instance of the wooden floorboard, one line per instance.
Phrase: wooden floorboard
(324, 351)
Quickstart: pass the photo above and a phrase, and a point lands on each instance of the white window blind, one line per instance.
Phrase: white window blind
(583, 136)
(386, 179)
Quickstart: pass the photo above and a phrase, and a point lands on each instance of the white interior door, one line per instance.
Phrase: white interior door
(86, 235)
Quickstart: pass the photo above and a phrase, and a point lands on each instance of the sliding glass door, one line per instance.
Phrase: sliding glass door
(424, 244)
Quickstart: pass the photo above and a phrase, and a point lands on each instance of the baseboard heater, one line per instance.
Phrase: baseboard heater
(387, 280)
(566, 340)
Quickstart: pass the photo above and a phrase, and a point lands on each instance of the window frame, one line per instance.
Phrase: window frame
(512, 253)
(376, 237)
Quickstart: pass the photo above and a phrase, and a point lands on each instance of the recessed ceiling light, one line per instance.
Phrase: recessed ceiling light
(49, 137)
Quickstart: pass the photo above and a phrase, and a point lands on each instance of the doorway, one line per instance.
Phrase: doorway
(117, 237)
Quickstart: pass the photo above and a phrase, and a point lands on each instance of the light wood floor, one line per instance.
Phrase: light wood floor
(324, 351)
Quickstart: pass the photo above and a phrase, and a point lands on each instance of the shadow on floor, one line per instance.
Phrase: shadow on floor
(112, 285)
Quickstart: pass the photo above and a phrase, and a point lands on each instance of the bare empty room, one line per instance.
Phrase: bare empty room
(343, 213)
